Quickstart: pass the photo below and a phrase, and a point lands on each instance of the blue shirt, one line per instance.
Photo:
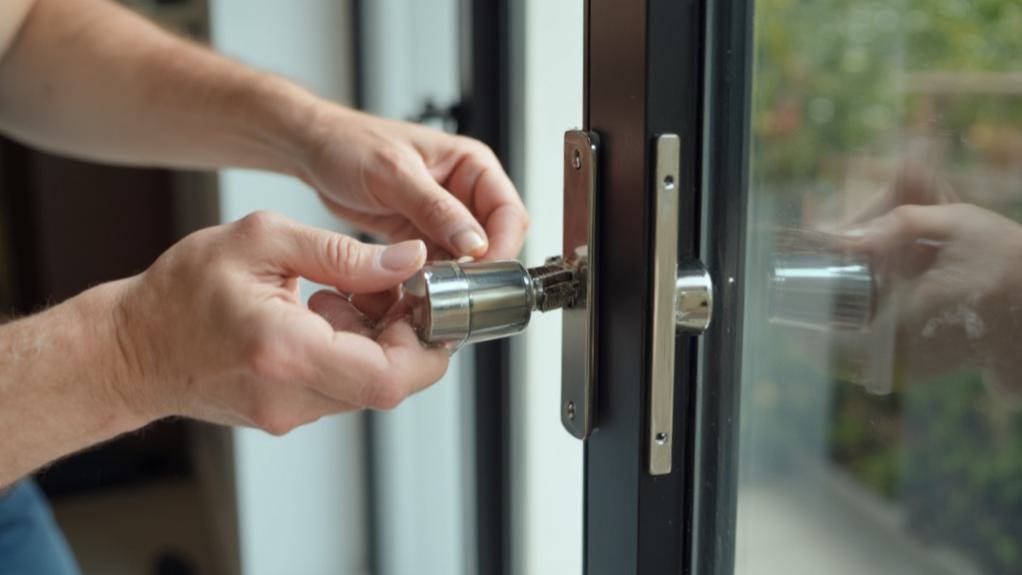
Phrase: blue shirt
(31, 543)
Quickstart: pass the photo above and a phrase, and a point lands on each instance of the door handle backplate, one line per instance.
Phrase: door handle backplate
(578, 335)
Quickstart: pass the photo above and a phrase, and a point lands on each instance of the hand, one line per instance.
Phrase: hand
(404, 181)
(215, 329)
(953, 278)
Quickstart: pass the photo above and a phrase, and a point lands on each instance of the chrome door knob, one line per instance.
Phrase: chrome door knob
(693, 299)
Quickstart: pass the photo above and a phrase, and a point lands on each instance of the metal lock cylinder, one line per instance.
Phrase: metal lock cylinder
(459, 303)
(455, 304)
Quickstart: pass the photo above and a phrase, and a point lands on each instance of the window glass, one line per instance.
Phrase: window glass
(881, 416)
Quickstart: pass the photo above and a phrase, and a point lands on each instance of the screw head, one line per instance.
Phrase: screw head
(570, 410)
(661, 437)
(576, 159)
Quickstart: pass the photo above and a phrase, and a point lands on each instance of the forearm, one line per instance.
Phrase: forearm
(59, 375)
(91, 79)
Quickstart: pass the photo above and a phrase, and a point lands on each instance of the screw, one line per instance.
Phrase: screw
(576, 160)
(661, 438)
(570, 409)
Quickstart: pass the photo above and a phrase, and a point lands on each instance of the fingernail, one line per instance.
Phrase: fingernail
(402, 256)
(468, 242)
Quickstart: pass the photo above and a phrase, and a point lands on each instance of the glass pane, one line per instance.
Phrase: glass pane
(881, 429)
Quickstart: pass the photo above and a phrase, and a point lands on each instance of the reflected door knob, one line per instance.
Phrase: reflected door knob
(823, 291)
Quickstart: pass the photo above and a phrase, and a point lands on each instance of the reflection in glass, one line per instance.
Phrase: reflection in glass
(881, 424)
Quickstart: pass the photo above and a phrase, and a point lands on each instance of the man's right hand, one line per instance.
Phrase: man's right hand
(216, 330)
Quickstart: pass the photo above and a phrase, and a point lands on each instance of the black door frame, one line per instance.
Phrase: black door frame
(654, 67)
(644, 72)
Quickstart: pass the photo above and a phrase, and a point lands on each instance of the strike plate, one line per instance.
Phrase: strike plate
(578, 336)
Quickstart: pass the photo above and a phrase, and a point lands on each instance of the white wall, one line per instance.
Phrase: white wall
(301, 497)
(547, 461)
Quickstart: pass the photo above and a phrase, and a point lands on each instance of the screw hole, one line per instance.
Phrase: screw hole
(669, 182)
(661, 438)
(576, 160)
(570, 409)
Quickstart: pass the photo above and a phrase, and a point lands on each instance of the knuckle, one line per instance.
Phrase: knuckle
(276, 422)
(343, 253)
(257, 224)
(390, 161)
(194, 255)
(479, 149)
(437, 208)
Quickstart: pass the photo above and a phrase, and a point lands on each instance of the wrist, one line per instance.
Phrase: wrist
(288, 125)
(121, 385)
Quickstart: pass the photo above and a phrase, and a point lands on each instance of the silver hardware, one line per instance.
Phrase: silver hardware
(578, 335)
(555, 284)
(682, 302)
(665, 279)
(455, 304)
(693, 299)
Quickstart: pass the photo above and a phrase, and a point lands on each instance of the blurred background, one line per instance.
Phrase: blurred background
(476, 474)
(908, 474)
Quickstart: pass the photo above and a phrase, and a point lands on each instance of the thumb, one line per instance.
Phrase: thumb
(343, 262)
(438, 214)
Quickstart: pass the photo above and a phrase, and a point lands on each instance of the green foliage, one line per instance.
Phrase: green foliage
(962, 473)
(964, 35)
(865, 436)
(823, 85)
(833, 77)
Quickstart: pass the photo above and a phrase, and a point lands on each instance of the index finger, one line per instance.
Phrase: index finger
(481, 183)
(503, 214)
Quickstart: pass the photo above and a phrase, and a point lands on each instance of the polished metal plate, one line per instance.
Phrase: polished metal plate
(665, 275)
(578, 351)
